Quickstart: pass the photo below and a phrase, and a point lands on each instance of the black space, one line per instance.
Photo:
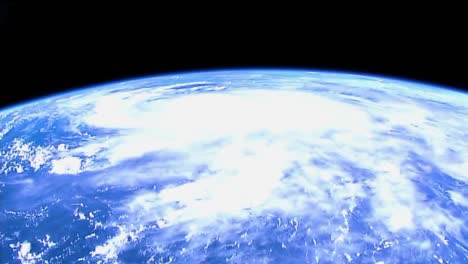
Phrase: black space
(50, 49)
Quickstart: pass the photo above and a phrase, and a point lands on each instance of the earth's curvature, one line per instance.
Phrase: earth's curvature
(241, 166)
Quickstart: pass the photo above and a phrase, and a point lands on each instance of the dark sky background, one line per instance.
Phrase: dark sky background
(49, 49)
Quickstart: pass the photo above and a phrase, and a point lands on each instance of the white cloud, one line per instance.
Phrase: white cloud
(458, 198)
(249, 139)
(66, 165)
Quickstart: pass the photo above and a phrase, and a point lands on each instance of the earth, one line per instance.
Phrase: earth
(237, 166)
